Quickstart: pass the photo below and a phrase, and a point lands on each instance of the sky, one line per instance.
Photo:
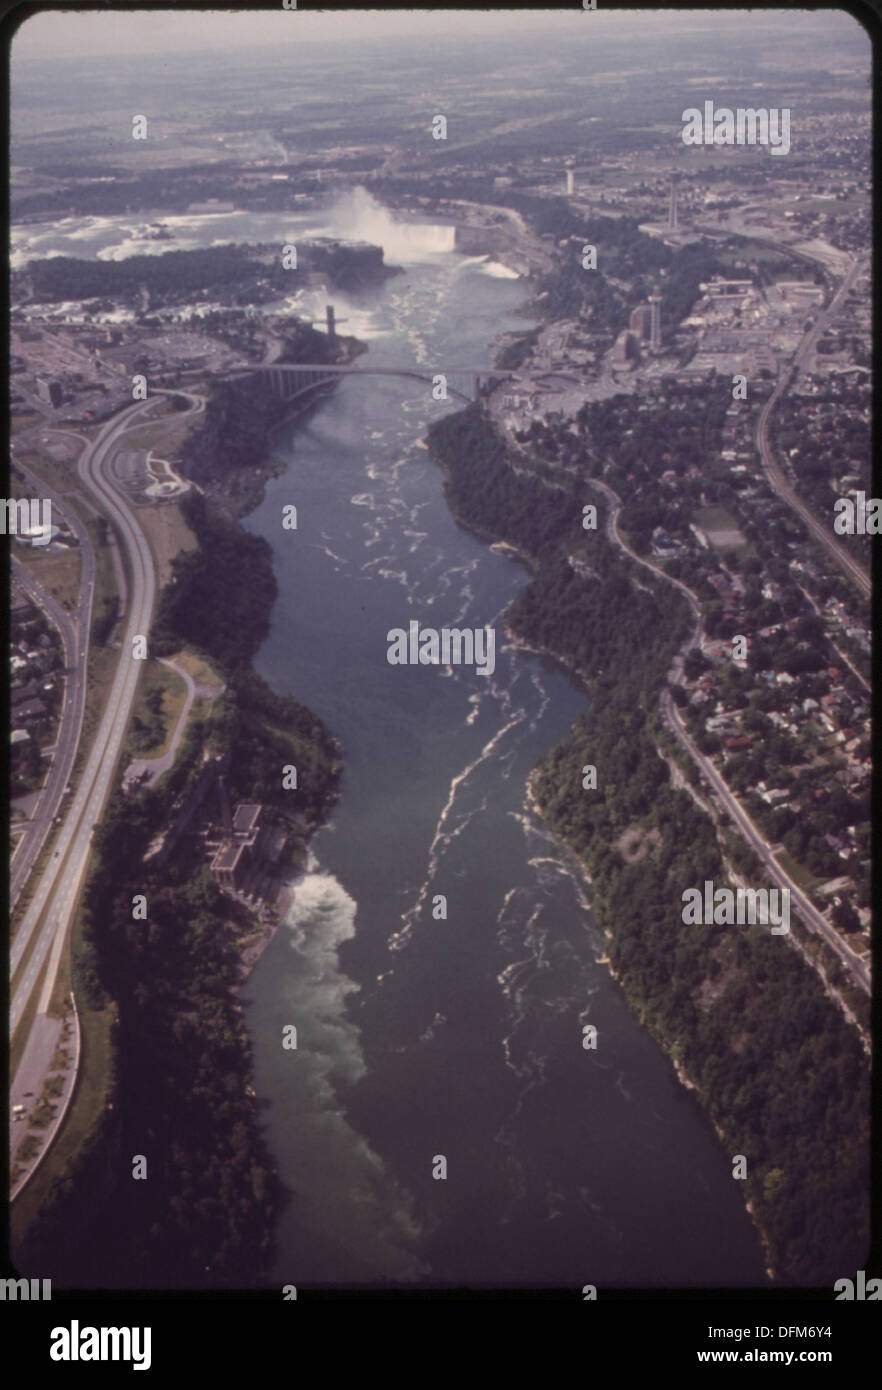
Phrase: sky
(95, 34)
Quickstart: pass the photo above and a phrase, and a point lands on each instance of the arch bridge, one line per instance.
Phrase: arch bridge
(289, 380)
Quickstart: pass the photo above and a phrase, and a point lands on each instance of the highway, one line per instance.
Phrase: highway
(62, 878)
(777, 480)
(75, 638)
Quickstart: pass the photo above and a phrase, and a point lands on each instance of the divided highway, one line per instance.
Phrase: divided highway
(44, 927)
(74, 631)
(60, 883)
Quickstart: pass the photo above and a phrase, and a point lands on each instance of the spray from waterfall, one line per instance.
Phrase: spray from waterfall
(358, 216)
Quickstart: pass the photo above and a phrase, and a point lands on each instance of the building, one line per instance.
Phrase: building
(625, 348)
(246, 822)
(641, 322)
(672, 214)
(570, 183)
(655, 322)
(241, 843)
(231, 863)
(49, 390)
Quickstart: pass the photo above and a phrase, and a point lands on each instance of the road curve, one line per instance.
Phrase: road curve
(61, 881)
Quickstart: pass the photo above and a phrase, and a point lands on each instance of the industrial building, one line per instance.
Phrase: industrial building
(241, 846)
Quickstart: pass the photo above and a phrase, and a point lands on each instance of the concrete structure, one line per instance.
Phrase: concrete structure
(655, 322)
(625, 348)
(641, 322)
(290, 380)
(240, 847)
(49, 390)
(231, 863)
(729, 287)
(570, 183)
(672, 213)
(246, 821)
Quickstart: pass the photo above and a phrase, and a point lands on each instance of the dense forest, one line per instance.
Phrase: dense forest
(228, 454)
(182, 1061)
(247, 274)
(624, 254)
(174, 272)
(776, 1066)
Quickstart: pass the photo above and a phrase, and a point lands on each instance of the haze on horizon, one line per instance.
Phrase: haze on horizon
(82, 35)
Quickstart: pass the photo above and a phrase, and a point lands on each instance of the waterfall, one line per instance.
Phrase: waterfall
(358, 216)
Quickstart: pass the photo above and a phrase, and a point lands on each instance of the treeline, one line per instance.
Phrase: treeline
(229, 451)
(775, 1064)
(515, 353)
(204, 1216)
(246, 276)
(221, 593)
(481, 488)
(173, 272)
(687, 269)
(623, 253)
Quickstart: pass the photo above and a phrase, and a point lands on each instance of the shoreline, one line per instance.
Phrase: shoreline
(252, 952)
(578, 674)
(682, 1075)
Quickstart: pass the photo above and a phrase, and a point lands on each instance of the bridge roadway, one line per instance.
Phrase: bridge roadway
(306, 375)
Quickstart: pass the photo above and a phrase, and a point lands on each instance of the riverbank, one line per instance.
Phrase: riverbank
(251, 951)
(209, 1220)
(688, 1082)
(715, 1006)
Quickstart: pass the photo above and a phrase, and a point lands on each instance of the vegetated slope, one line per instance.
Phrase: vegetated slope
(775, 1064)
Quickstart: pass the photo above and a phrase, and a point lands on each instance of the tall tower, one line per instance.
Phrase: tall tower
(570, 183)
(655, 322)
(329, 318)
(672, 215)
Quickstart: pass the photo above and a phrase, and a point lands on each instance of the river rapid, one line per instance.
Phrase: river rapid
(423, 1038)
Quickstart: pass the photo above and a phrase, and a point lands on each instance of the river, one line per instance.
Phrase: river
(458, 1038)
(421, 1038)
